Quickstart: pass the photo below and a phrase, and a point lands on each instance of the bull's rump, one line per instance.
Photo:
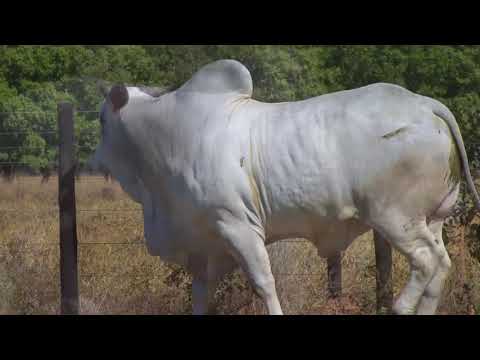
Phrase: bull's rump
(346, 156)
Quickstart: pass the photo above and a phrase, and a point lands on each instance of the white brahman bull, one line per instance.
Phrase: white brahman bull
(220, 176)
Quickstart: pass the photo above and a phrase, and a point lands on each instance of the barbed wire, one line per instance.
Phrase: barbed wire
(136, 275)
(78, 210)
(48, 112)
(27, 112)
(14, 147)
(80, 243)
(85, 179)
(108, 211)
(23, 163)
(114, 243)
(29, 132)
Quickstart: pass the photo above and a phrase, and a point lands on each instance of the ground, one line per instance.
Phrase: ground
(117, 276)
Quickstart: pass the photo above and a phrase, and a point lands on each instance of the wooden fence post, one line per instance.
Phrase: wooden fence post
(66, 201)
(335, 276)
(383, 259)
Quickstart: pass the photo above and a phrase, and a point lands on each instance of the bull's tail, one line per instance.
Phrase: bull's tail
(444, 113)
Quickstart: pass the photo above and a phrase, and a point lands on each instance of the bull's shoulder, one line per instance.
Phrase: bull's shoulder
(224, 76)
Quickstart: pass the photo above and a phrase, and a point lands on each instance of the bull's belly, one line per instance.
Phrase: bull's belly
(329, 236)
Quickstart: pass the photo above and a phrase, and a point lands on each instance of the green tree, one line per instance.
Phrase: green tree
(34, 78)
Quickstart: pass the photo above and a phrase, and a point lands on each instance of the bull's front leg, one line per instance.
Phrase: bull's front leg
(203, 286)
(249, 250)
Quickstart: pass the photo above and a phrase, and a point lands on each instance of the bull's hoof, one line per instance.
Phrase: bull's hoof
(403, 310)
(384, 311)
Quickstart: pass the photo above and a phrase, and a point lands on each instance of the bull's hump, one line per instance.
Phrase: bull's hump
(221, 77)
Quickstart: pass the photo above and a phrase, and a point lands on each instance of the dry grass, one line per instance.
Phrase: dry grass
(117, 276)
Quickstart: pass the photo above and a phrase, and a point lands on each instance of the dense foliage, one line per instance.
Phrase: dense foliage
(33, 79)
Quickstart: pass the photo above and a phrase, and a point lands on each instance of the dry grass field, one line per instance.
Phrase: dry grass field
(117, 276)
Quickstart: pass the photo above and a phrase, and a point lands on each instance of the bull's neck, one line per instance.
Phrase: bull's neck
(257, 166)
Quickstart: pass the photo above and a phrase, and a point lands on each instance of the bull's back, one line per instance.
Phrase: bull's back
(334, 156)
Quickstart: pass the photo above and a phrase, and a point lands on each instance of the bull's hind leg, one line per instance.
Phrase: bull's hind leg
(429, 302)
(248, 248)
(416, 242)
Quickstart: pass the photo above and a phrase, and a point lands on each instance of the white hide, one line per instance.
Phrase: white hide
(220, 175)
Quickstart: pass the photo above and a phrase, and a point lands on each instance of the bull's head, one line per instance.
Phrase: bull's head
(112, 151)
(116, 99)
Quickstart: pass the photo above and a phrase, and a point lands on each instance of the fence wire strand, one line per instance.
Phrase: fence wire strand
(29, 132)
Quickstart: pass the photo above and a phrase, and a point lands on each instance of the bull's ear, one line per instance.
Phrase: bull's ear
(118, 96)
